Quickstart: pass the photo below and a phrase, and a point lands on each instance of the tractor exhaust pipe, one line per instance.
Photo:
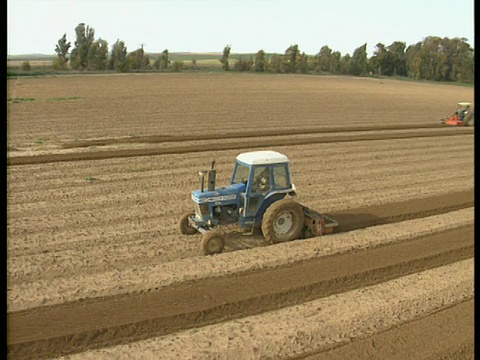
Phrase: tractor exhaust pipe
(211, 174)
(202, 180)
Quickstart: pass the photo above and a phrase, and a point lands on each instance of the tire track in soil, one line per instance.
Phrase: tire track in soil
(217, 145)
(99, 322)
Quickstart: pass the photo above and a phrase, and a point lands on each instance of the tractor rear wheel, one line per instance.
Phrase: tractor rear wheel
(283, 221)
(183, 225)
(213, 242)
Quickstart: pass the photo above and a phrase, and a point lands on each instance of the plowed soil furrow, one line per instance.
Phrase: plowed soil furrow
(164, 104)
(148, 192)
(321, 324)
(360, 218)
(103, 195)
(105, 214)
(75, 327)
(358, 150)
(90, 255)
(341, 202)
(220, 145)
(158, 170)
(445, 334)
(53, 181)
(160, 180)
(242, 134)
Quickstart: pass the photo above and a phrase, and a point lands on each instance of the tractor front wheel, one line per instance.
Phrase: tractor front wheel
(283, 221)
(213, 242)
(184, 227)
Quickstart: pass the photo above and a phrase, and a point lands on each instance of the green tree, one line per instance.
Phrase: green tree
(430, 50)
(276, 63)
(118, 57)
(324, 59)
(224, 59)
(397, 57)
(290, 59)
(162, 61)
(377, 61)
(465, 67)
(97, 58)
(440, 59)
(414, 61)
(260, 61)
(447, 55)
(335, 58)
(243, 65)
(383, 61)
(177, 66)
(137, 60)
(302, 63)
(268, 63)
(61, 49)
(344, 66)
(358, 62)
(26, 66)
(85, 38)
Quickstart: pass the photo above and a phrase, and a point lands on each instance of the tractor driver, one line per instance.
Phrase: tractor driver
(462, 113)
(262, 180)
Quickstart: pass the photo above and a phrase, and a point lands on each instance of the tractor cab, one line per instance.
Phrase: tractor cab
(462, 109)
(266, 176)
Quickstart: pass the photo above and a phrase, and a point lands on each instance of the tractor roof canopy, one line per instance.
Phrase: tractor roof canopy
(262, 157)
(466, 104)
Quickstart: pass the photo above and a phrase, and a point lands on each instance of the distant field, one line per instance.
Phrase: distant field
(207, 59)
(32, 62)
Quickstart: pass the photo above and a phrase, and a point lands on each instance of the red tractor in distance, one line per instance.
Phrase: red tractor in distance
(463, 116)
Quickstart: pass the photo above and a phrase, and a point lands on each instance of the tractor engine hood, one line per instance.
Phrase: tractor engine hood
(226, 193)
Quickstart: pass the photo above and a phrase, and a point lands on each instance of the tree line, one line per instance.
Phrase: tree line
(93, 55)
(433, 58)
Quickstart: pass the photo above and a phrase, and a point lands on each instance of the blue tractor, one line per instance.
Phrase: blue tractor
(260, 195)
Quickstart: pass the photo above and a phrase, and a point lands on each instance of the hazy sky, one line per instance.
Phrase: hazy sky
(34, 26)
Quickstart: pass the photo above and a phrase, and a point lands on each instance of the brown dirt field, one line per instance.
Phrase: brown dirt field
(113, 106)
(56, 285)
(220, 302)
(101, 168)
(446, 334)
(53, 155)
(283, 333)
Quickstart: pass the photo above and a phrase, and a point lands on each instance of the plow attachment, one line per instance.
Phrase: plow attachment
(316, 224)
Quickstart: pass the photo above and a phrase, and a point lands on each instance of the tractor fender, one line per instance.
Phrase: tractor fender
(285, 192)
(269, 200)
